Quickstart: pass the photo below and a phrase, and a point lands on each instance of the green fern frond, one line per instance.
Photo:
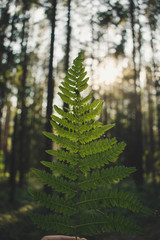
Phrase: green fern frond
(64, 132)
(89, 126)
(71, 77)
(83, 85)
(102, 158)
(68, 87)
(69, 82)
(62, 168)
(63, 155)
(94, 133)
(78, 175)
(80, 78)
(88, 106)
(67, 92)
(105, 176)
(99, 224)
(97, 199)
(96, 147)
(87, 116)
(57, 183)
(65, 123)
(87, 98)
(56, 203)
(63, 142)
(49, 222)
(70, 70)
(67, 115)
(67, 99)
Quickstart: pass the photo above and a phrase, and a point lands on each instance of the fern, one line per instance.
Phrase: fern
(81, 204)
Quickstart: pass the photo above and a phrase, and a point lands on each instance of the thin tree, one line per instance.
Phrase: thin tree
(22, 95)
(13, 163)
(68, 40)
(4, 23)
(50, 88)
(152, 12)
(138, 146)
(151, 167)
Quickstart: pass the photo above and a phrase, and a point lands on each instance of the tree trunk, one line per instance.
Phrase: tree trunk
(65, 105)
(138, 146)
(13, 163)
(0, 128)
(4, 23)
(156, 79)
(50, 88)
(92, 41)
(22, 101)
(151, 132)
(157, 86)
(5, 136)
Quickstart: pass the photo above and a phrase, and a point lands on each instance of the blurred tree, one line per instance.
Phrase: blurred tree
(18, 156)
(8, 65)
(68, 35)
(137, 145)
(5, 134)
(6, 57)
(19, 151)
(118, 15)
(22, 92)
(51, 14)
(35, 126)
(152, 11)
(68, 40)
(13, 162)
(150, 158)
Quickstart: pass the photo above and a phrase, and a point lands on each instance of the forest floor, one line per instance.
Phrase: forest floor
(15, 224)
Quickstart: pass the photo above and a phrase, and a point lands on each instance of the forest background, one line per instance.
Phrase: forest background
(38, 41)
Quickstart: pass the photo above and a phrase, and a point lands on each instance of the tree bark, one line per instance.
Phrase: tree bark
(68, 40)
(151, 132)
(50, 88)
(4, 22)
(156, 79)
(12, 170)
(138, 146)
(22, 101)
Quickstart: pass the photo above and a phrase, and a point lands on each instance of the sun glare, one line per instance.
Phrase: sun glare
(108, 72)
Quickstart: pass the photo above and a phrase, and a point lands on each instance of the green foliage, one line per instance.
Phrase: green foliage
(81, 204)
